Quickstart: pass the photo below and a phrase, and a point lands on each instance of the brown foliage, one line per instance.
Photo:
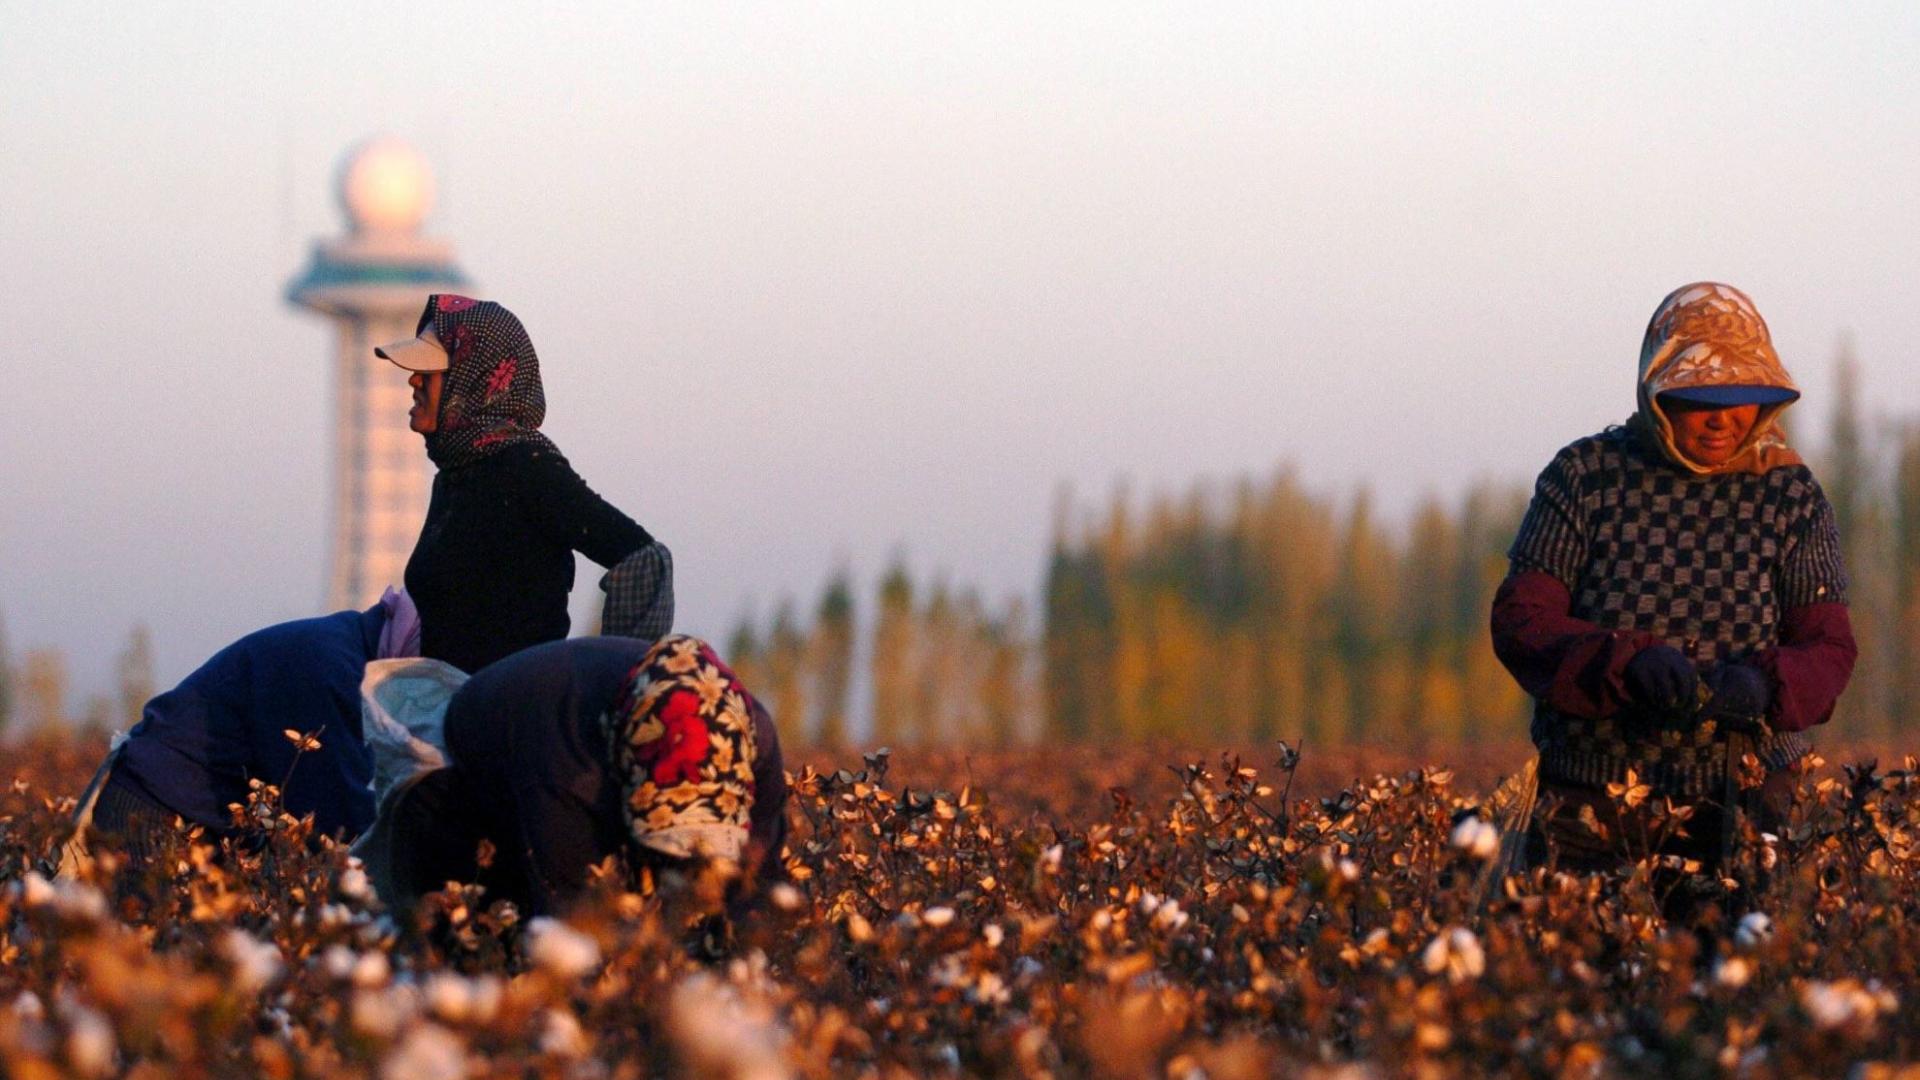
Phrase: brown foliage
(1036, 913)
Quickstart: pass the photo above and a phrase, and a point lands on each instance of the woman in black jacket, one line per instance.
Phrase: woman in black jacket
(494, 563)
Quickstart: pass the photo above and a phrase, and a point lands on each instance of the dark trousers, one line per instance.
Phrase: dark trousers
(125, 820)
(1564, 834)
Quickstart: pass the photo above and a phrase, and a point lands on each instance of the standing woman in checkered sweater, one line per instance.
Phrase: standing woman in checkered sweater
(1676, 580)
(493, 566)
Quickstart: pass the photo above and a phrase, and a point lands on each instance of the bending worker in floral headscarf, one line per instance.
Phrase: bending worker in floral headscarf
(494, 563)
(1677, 579)
(573, 751)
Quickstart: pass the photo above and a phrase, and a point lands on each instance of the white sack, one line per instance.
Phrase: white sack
(403, 714)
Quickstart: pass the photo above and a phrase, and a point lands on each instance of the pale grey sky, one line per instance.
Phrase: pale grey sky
(810, 282)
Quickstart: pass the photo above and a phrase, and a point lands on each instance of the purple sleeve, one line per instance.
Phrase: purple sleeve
(1810, 666)
(1569, 664)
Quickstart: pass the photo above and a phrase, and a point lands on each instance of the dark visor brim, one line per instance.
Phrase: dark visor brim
(1733, 395)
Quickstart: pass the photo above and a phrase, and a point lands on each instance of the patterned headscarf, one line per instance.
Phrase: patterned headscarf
(492, 398)
(1709, 334)
(681, 736)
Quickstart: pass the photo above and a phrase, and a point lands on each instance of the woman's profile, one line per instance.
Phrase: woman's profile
(493, 566)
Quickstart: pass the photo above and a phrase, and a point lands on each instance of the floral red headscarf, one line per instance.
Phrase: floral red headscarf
(492, 398)
(682, 740)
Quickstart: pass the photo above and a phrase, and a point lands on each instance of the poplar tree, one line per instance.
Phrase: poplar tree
(134, 674)
(832, 659)
(785, 659)
(43, 682)
(893, 657)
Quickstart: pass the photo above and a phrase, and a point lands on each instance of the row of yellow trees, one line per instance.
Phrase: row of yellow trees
(940, 664)
(1273, 612)
(1269, 612)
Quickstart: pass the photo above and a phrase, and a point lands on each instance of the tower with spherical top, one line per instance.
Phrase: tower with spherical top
(371, 284)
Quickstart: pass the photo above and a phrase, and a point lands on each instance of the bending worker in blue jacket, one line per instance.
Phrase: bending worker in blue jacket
(198, 745)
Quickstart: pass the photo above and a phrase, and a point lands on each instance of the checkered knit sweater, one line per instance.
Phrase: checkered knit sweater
(1708, 563)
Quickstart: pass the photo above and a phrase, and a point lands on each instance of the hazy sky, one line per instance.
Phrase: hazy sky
(812, 282)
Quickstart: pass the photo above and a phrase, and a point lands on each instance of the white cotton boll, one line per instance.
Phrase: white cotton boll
(1847, 1003)
(338, 962)
(1733, 973)
(937, 917)
(717, 1032)
(429, 1052)
(34, 890)
(372, 970)
(255, 963)
(1434, 957)
(91, 1046)
(460, 1000)
(560, 949)
(949, 970)
(1478, 838)
(993, 935)
(560, 1035)
(990, 989)
(1163, 913)
(1472, 959)
(786, 897)
(1349, 872)
(1050, 858)
(378, 1015)
(1755, 927)
(28, 1006)
(448, 997)
(1456, 953)
(1826, 1005)
(79, 901)
(354, 883)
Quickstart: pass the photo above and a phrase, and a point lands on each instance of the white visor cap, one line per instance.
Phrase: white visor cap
(415, 354)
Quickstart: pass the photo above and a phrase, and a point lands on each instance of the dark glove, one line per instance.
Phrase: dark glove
(1740, 696)
(1662, 680)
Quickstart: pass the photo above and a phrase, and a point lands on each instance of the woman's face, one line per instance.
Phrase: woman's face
(424, 417)
(1709, 435)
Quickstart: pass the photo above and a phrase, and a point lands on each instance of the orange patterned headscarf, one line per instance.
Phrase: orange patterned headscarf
(682, 738)
(1709, 334)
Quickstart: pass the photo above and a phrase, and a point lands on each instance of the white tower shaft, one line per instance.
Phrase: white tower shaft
(373, 284)
(381, 475)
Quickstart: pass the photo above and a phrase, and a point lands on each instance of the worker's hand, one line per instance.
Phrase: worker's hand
(1662, 680)
(1740, 696)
